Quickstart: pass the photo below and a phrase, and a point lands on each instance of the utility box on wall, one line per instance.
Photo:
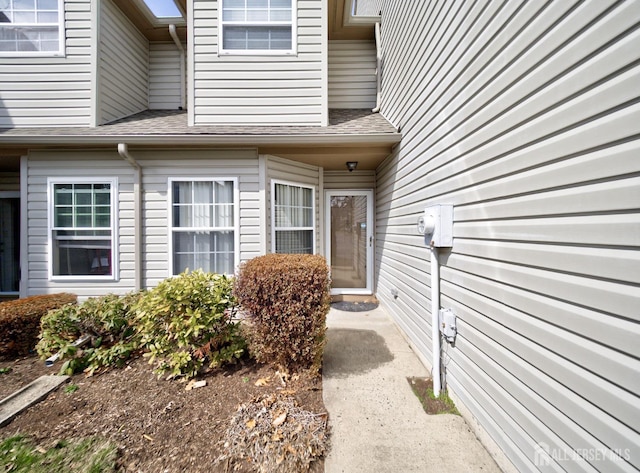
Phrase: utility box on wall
(437, 225)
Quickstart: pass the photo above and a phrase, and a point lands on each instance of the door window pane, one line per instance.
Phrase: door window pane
(349, 241)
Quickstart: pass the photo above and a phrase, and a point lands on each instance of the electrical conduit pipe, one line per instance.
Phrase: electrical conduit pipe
(435, 328)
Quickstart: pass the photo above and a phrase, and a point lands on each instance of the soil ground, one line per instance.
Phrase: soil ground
(157, 425)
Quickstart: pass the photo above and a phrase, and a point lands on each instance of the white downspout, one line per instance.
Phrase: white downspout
(435, 322)
(174, 36)
(123, 151)
(376, 109)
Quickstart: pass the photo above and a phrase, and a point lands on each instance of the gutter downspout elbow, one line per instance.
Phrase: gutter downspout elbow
(123, 151)
(376, 109)
(174, 36)
(435, 322)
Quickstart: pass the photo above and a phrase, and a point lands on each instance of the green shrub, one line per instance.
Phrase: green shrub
(106, 320)
(187, 320)
(20, 321)
(286, 299)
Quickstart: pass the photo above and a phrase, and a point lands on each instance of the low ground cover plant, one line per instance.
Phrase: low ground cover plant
(20, 321)
(286, 300)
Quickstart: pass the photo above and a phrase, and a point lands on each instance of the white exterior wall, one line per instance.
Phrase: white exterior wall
(349, 180)
(352, 74)
(51, 91)
(123, 72)
(258, 89)
(159, 166)
(524, 115)
(293, 172)
(9, 181)
(67, 164)
(164, 76)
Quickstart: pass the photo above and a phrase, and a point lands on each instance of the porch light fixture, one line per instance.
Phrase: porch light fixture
(352, 165)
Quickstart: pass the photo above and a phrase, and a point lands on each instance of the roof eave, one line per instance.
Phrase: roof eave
(204, 139)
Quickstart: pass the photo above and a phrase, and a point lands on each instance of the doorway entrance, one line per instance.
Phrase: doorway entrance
(350, 240)
(9, 244)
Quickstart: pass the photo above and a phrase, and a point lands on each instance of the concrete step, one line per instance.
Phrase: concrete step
(31, 394)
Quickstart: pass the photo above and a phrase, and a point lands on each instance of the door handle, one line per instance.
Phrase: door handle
(371, 240)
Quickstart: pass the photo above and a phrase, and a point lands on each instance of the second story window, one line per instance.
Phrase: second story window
(31, 27)
(257, 26)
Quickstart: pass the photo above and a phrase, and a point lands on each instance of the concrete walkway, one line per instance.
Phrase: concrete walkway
(377, 423)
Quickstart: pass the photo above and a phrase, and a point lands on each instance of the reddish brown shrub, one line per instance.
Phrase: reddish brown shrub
(20, 321)
(286, 299)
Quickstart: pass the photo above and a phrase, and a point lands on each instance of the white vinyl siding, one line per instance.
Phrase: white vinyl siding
(284, 170)
(123, 72)
(352, 74)
(9, 181)
(258, 89)
(164, 76)
(68, 166)
(32, 28)
(524, 116)
(51, 91)
(160, 166)
(349, 180)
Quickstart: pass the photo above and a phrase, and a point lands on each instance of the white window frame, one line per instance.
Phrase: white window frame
(274, 182)
(61, 37)
(236, 217)
(113, 182)
(259, 52)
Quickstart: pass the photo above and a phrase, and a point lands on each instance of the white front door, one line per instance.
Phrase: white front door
(349, 240)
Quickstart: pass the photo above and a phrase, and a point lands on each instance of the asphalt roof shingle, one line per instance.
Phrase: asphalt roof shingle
(174, 123)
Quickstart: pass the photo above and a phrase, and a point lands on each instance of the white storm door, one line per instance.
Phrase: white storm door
(349, 240)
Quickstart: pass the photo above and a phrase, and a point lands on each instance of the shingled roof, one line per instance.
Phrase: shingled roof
(165, 126)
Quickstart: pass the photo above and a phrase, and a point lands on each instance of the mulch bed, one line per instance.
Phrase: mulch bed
(157, 425)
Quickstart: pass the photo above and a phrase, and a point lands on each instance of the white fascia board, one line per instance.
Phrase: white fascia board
(325, 139)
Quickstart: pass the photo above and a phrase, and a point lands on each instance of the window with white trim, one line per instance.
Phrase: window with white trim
(256, 26)
(293, 210)
(203, 225)
(82, 228)
(31, 27)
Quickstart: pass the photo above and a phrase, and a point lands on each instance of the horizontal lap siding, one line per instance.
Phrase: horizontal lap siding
(258, 89)
(164, 76)
(51, 91)
(92, 165)
(524, 115)
(295, 173)
(9, 181)
(123, 66)
(352, 74)
(349, 180)
(159, 166)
